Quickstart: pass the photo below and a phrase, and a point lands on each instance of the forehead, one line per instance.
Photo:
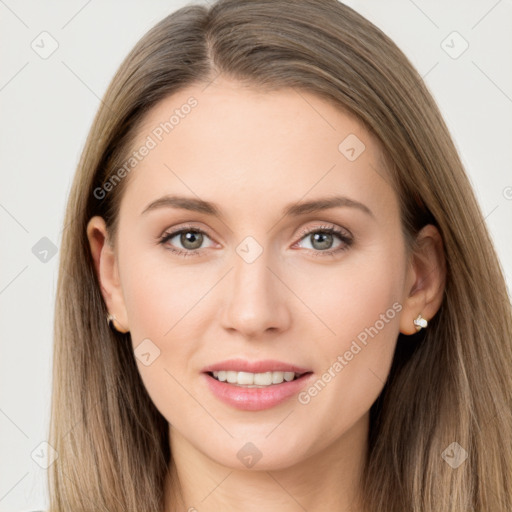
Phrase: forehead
(252, 149)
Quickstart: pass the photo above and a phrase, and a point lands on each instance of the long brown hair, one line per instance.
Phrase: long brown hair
(450, 383)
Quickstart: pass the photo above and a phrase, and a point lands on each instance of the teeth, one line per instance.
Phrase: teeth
(254, 379)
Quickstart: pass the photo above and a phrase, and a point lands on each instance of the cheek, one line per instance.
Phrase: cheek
(168, 305)
(160, 294)
(364, 296)
(155, 304)
(351, 296)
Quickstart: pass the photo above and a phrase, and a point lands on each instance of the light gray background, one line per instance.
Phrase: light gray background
(47, 106)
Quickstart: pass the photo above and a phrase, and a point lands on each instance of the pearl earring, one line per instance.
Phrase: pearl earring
(111, 322)
(420, 322)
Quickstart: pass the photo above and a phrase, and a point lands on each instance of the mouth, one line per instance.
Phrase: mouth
(255, 385)
(256, 391)
(256, 380)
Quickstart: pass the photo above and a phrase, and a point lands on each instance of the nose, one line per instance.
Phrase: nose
(257, 300)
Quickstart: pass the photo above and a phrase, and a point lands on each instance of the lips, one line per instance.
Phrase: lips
(255, 398)
(242, 365)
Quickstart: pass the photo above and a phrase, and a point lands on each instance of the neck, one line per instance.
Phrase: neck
(327, 480)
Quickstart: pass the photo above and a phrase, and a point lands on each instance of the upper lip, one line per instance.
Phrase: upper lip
(267, 365)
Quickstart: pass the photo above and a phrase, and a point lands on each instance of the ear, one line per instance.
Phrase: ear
(105, 263)
(426, 278)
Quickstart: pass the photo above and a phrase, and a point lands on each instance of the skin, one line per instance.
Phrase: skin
(252, 153)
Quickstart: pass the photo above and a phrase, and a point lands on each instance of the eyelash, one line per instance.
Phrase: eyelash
(345, 238)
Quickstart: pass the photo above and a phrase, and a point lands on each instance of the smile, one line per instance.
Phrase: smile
(244, 396)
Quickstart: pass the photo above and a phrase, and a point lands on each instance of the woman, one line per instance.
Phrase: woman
(304, 308)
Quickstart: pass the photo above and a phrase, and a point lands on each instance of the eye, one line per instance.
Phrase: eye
(323, 240)
(186, 241)
(327, 239)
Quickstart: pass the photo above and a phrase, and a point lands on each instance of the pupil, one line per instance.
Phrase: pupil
(325, 240)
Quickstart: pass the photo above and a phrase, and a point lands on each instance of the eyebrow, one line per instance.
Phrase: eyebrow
(295, 209)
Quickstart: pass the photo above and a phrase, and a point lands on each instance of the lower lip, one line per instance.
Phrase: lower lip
(255, 399)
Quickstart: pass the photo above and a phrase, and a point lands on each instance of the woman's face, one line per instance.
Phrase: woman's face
(290, 257)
